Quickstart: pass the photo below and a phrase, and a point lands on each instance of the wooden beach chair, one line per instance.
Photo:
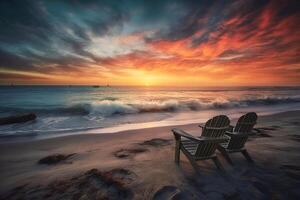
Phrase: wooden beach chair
(204, 147)
(237, 137)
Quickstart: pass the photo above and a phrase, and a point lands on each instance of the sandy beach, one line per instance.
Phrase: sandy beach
(139, 164)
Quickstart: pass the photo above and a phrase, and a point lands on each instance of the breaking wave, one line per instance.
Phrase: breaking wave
(107, 108)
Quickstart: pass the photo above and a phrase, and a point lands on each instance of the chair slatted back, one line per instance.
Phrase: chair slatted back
(237, 141)
(246, 123)
(214, 128)
(243, 127)
(206, 149)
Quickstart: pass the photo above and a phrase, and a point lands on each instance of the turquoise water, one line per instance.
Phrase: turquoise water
(73, 108)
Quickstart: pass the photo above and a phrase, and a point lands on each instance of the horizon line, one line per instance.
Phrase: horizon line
(108, 85)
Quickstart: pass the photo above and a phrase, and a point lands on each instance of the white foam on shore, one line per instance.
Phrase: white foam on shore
(183, 118)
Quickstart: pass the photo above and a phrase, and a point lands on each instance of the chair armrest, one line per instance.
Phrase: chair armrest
(229, 133)
(181, 133)
(233, 134)
(256, 130)
(201, 126)
(230, 128)
(215, 140)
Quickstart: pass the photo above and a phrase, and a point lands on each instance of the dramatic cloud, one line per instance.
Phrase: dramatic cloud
(194, 43)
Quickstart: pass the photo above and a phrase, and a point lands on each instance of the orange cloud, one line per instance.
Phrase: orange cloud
(257, 47)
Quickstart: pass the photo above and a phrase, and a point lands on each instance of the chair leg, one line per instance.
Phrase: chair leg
(194, 164)
(177, 152)
(247, 156)
(218, 163)
(226, 155)
(192, 161)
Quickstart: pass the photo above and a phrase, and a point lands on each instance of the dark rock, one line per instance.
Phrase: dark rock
(93, 184)
(55, 159)
(156, 142)
(125, 153)
(17, 119)
(122, 175)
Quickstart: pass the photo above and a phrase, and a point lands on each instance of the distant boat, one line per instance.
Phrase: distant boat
(96, 86)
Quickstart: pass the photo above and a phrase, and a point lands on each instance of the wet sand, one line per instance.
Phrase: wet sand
(139, 164)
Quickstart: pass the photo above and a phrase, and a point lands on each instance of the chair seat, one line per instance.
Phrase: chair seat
(190, 146)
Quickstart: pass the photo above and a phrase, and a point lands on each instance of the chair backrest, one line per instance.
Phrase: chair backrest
(243, 127)
(214, 128)
(245, 123)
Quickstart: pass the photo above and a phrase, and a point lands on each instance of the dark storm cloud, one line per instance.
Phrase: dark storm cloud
(193, 17)
(35, 31)
(52, 35)
(29, 30)
(214, 27)
(11, 61)
(13, 76)
(23, 22)
(209, 18)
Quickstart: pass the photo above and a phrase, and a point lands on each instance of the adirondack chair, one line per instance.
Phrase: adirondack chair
(237, 137)
(204, 147)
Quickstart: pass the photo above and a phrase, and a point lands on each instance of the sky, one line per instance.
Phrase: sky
(150, 43)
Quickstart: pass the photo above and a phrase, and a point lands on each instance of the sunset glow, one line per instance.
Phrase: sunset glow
(164, 43)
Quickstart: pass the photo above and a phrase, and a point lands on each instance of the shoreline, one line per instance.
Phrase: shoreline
(120, 128)
(147, 155)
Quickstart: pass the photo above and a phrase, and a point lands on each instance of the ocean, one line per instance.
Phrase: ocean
(87, 109)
